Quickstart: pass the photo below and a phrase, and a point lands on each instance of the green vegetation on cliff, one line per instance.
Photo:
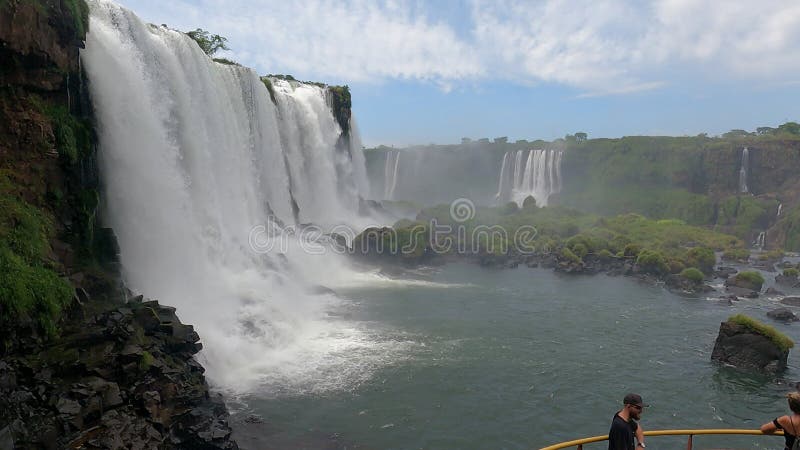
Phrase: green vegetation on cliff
(30, 290)
(209, 43)
(781, 340)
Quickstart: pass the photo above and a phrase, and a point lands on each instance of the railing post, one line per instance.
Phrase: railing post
(689, 443)
(580, 446)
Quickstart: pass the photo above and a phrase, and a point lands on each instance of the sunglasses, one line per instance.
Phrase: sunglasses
(639, 407)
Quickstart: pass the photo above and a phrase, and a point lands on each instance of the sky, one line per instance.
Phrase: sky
(424, 72)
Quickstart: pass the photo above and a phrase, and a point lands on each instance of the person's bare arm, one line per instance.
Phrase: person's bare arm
(770, 427)
(640, 434)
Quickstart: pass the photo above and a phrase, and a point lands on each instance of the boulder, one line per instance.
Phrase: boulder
(682, 284)
(791, 301)
(784, 280)
(746, 280)
(782, 315)
(724, 272)
(740, 346)
(773, 291)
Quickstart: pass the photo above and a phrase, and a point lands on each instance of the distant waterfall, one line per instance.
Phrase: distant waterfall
(780, 209)
(743, 171)
(390, 174)
(195, 156)
(526, 173)
(760, 241)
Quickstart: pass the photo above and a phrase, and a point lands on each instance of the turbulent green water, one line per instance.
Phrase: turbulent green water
(521, 359)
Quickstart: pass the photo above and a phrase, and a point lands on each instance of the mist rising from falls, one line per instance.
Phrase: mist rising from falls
(743, 169)
(526, 173)
(194, 154)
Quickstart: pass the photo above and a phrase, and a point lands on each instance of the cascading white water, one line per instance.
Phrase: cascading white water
(760, 241)
(503, 185)
(780, 209)
(534, 173)
(390, 171)
(743, 170)
(194, 155)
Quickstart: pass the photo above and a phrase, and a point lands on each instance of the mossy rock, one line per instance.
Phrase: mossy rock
(781, 340)
(748, 279)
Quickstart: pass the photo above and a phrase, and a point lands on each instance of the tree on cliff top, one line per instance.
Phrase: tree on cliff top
(209, 43)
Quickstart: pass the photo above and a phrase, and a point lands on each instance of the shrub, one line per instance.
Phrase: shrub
(702, 258)
(631, 250)
(771, 255)
(580, 250)
(509, 208)
(226, 61)
(692, 274)
(652, 261)
(529, 204)
(605, 255)
(675, 266)
(791, 272)
(780, 339)
(209, 43)
(568, 255)
(736, 254)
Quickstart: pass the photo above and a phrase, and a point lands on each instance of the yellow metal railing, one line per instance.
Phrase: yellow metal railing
(690, 433)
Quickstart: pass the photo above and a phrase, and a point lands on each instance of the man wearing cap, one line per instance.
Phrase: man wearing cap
(624, 426)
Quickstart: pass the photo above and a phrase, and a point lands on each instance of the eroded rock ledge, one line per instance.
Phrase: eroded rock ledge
(124, 377)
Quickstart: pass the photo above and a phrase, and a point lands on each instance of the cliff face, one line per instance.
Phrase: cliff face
(78, 366)
(41, 40)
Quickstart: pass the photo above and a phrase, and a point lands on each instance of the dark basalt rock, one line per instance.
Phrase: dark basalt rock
(782, 315)
(737, 346)
(791, 301)
(773, 291)
(724, 272)
(683, 285)
(741, 292)
(741, 282)
(123, 378)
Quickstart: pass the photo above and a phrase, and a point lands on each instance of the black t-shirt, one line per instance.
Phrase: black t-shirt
(621, 434)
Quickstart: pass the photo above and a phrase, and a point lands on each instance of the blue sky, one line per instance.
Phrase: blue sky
(433, 72)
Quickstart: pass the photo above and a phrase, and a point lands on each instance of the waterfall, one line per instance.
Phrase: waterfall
(760, 241)
(780, 209)
(526, 173)
(503, 185)
(743, 170)
(195, 156)
(390, 174)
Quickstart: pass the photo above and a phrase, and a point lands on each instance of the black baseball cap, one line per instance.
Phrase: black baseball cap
(634, 399)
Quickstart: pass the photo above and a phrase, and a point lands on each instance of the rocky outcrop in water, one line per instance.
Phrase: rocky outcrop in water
(782, 315)
(123, 377)
(742, 347)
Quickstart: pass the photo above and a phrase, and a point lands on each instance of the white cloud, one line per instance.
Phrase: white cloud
(600, 47)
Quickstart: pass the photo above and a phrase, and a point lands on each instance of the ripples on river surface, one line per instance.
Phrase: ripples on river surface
(466, 357)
